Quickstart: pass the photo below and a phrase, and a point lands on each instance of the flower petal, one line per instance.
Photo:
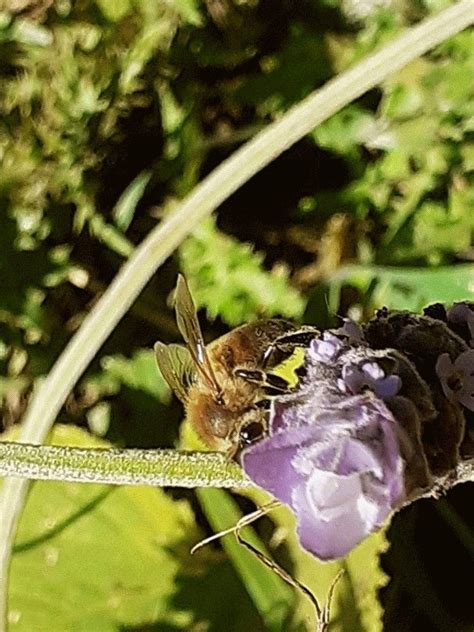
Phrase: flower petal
(443, 369)
(339, 519)
(461, 313)
(269, 464)
(326, 349)
(465, 362)
(339, 469)
(351, 330)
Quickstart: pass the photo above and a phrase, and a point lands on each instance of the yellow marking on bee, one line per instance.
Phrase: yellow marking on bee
(287, 369)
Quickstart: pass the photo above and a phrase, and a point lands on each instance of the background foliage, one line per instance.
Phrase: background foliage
(109, 113)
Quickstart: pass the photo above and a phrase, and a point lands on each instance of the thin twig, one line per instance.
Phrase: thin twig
(322, 614)
(243, 522)
(323, 623)
(276, 568)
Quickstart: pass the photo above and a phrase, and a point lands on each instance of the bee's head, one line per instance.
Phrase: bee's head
(224, 428)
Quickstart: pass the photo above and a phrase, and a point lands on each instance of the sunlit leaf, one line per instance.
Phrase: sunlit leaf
(92, 557)
(227, 278)
(138, 372)
(189, 11)
(412, 288)
(127, 203)
(114, 11)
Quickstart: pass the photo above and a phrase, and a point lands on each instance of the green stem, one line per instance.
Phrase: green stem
(208, 195)
(164, 468)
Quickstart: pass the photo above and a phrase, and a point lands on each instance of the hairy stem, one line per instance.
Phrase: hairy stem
(164, 468)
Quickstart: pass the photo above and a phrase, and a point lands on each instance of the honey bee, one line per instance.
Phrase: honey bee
(226, 386)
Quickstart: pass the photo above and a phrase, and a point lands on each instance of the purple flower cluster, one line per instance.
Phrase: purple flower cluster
(370, 375)
(327, 348)
(457, 378)
(348, 446)
(332, 454)
(461, 313)
(340, 472)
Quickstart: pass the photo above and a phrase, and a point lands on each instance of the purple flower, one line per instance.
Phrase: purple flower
(339, 468)
(351, 330)
(461, 313)
(457, 378)
(356, 379)
(327, 348)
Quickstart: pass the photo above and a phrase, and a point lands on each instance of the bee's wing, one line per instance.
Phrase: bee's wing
(188, 325)
(177, 367)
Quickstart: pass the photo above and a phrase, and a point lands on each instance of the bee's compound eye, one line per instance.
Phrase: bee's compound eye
(251, 433)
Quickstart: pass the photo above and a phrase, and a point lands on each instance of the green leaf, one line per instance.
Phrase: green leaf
(404, 100)
(31, 34)
(363, 578)
(138, 372)
(124, 210)
(98, 419)
(412, 288)
(277, 82)
(438, 230)
(110, 236)
(188, 10)
(228, 278)
(114, 11)
(467, 153)
(92, 557)
(344, 131)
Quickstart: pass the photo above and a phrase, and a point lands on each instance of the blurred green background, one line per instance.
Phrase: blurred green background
(110, 112)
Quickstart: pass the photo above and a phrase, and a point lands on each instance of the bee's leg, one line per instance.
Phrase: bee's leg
(253, 376)
(285, 345)
(263, 404)
(275, 385)
(300, 338)
(271, 384)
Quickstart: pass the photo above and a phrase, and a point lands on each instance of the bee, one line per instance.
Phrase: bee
(226, 387)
